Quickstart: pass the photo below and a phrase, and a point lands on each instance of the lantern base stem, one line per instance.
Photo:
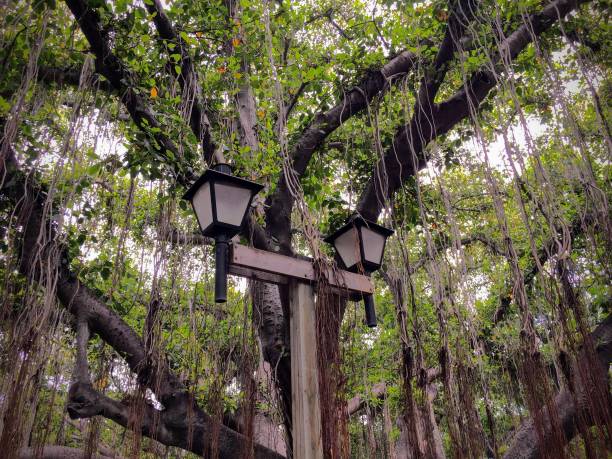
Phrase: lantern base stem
(370, 312)
(221, 268)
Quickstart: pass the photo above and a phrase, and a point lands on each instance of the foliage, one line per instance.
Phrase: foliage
(116, 200)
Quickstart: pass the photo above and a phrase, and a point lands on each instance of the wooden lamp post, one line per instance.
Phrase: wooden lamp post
(221, 202)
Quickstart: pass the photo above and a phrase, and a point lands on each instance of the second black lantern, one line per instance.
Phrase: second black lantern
(361, 245)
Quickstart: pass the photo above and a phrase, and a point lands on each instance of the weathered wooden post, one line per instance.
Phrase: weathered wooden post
(307, 441)
(299, 275)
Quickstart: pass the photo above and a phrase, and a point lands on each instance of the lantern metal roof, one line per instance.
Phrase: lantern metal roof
(358, 223)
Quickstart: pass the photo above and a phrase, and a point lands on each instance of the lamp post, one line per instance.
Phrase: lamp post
(221, 202)
(360, 244)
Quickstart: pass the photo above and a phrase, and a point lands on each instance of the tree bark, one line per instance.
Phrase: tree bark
(273, 332)
(56, 452)
(570, 407)
(405, 449)
(169, 426)
(407, 154)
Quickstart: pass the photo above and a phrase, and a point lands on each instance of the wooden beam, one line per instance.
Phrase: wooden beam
(273, 267)
(257, 275)
(306, 415)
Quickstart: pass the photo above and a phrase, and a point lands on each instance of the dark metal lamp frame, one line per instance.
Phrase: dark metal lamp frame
(363, 265)
(220, 231)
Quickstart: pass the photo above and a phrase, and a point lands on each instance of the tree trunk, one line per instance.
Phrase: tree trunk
(56, 452)
(571, 407)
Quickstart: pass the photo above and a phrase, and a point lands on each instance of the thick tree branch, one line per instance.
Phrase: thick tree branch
(81, 370)
(406, 155)
(69, 76)
(121, 79)
(163, 426)
(245, 102)
(571, 408)
(460, 16)
(169, 426)
(86, 402)
(280, 203)
(198, 119)
(244, 97)
(411, 140)
(357, 403)
(273, 329)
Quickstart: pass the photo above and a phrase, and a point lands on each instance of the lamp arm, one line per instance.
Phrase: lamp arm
(221, 268)
(370, 311)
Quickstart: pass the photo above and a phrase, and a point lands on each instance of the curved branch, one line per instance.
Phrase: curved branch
(121, 79)
(312, 137)
(81, 368)
(460, 17)
(182, 422)
(163, 426)
(188, 79)
(407, 154)
(69, 76)
(357, 403)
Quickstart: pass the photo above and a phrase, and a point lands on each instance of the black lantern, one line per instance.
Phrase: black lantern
(361, 245)
(221, 202)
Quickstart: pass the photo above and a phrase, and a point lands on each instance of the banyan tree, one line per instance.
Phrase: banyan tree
(478, 130)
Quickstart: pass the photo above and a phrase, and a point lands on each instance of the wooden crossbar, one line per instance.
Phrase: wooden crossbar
(280, 269)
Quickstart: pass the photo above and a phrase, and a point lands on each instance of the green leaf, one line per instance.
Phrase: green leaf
(4, 106)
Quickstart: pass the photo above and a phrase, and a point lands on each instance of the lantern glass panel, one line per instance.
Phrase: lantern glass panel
(347, 245)
(373, 245)
(232, 203)
(202, 205)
